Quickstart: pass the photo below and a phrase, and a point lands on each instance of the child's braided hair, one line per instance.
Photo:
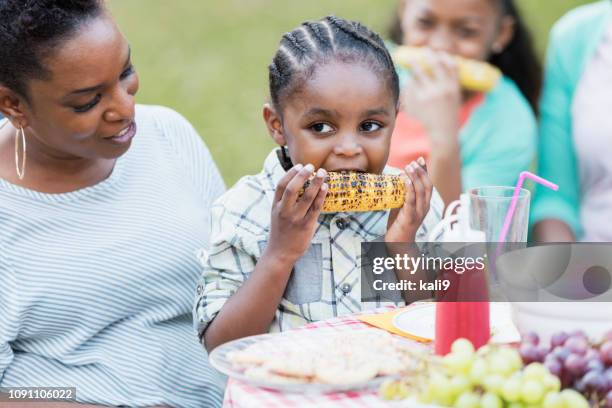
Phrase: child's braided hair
(314, 43)
(31, 30)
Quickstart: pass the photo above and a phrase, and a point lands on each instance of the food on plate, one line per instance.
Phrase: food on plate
(325, 357)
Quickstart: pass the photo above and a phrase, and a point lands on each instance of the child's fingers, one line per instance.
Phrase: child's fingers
(295, 186)
(426, 180)
(423, 189)
(311, 193)
(414, 172)
(410, 198)
(317, 204)
(284, 181)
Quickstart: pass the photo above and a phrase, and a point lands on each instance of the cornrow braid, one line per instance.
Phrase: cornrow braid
(315, 43)
(362, 33)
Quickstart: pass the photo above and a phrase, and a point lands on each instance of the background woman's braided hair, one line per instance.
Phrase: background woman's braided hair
(31, 30)
(314, 43)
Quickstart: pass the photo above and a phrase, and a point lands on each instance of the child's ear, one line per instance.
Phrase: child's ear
(505, 34)
(274, 124)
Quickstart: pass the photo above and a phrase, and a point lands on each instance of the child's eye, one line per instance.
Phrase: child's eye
(466, 32)
(425, 23)
(322, 128)
(88, 106)
(370, 127)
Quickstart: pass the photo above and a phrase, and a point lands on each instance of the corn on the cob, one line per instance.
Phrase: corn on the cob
(353, 192)
(474, 75)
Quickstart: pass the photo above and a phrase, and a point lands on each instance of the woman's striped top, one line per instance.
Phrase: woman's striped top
(97, 285)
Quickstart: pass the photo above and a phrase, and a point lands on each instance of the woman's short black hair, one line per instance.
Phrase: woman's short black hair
(331, 38)
(31, 30)
(518, 61)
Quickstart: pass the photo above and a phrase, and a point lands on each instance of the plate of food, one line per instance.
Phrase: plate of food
(420, 322)
(317, 361)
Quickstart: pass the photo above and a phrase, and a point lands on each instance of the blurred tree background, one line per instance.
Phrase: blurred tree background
(208, 59)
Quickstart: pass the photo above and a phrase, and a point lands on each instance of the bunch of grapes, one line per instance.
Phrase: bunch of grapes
(492, 377)
(581, 365)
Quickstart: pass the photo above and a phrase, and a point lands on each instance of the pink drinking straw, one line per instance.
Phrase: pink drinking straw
(517, 190)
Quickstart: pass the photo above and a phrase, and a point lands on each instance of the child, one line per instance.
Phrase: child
(469, 139)
(275, 261)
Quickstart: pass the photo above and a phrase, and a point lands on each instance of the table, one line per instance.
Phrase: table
(241, 395)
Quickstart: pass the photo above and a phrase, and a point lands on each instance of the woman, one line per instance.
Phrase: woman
(102, 207)
(469, 139)
(575, 129)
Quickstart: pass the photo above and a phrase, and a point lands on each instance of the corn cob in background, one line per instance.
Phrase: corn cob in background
(353, 192)
(474, 75)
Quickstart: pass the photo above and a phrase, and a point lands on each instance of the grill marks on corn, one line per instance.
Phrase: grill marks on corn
(356, 192)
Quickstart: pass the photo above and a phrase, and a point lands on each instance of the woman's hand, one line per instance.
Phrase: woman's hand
(294, 217)
(434, 98)
(404, 222)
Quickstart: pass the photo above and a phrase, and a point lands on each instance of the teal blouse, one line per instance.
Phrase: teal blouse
(573, 41)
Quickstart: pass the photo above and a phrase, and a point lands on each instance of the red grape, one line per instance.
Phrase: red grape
(558, 339)
(608, 400)
(577, 345)
(606, 352)
(553, 364)
(529, 353)
(561, 353)
(575, 364)
(531, 338)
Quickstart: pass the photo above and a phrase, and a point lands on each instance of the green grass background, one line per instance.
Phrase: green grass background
(208, 59)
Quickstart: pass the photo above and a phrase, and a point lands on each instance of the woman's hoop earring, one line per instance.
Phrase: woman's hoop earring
(20, 169)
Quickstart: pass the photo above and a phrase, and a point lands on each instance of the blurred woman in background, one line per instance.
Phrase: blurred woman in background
(468, 139)
(575, 146)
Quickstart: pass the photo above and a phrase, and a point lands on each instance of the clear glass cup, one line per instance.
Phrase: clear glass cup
(488, 209)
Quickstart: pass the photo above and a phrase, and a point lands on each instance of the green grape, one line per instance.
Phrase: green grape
(402, 390)
(479, 370)
(493, 383)
(490, 400)
(426, 397)
(516, 405)
(441, 389)
(500, 364)
(532, 391)
(459, 384)
(574, 399)
(468, 400)
(553, 400)
(511, 390)
(513, 356)
(535, 371)
(552, 383)
(457, 363)
(463, 346)
(388, 390)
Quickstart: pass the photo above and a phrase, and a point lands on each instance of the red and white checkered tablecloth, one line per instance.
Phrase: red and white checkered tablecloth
(241, 395)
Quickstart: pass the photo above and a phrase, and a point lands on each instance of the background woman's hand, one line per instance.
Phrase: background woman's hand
(294, 217)
(434, 98)
(404, 222)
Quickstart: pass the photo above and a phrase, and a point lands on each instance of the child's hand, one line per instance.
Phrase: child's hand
(404, 222)
(434, 99)
(294, 217)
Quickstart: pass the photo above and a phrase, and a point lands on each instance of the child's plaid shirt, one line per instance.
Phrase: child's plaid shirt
(324, 283)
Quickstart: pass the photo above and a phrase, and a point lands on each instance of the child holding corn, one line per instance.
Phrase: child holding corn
(469, 138)
(276, 262)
